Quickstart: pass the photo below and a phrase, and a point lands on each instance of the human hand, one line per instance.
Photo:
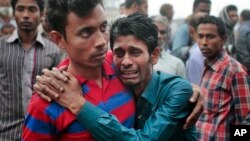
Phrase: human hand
(47, 85)
(197, 110)
(71, 97)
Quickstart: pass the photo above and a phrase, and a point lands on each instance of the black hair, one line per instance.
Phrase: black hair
(245, 15)
(231, 8)
(58, 10)
(164, 8)
(122, 4)
(197, 2)
(216, 21)
(137, 25)
(129, 3)
(40, 4)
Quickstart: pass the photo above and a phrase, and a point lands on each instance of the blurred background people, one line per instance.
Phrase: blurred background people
(195, 61)
(166, 62)
(133, 6)
(167, 11)
(182, 40)
(229, 16)
(243, 40)
(6, 16)
(4, 2)
(23, 55)
(122, 8)
(7, 29)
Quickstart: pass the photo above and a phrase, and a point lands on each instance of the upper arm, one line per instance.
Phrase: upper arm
(241, 95)
(38, 125)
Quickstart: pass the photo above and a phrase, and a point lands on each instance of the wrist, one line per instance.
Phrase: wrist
(76, 106)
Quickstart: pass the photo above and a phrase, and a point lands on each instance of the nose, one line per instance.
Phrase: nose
(25, 14)
(101, 39)
(127, 61)
(204, 41)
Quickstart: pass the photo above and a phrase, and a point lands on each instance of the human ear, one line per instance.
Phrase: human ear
(57, 38)
(155, 55)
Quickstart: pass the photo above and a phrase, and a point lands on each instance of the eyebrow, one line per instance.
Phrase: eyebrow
(90, 27)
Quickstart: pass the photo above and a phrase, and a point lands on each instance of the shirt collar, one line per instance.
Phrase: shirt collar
(15, 37)
(216, 63)
(149, 92)
(108, 67)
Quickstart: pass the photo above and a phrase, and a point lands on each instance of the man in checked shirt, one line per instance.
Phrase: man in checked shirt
(225, 84)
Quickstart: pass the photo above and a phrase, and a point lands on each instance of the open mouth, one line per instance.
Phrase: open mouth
(129, 74)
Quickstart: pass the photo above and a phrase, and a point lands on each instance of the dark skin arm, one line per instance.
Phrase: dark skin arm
(56, 84)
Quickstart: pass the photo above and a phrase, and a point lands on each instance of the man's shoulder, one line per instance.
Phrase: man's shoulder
(235, 66)
(230, 66)
(38, 102)
(51, 109)
(175, 60)
(3, 40)
(172, 80)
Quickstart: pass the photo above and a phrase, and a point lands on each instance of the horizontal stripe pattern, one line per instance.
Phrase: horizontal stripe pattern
(112, 97)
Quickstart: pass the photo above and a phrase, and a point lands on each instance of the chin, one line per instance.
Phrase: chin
(130, 82)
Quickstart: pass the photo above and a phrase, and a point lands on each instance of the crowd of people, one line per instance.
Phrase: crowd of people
(67, 73)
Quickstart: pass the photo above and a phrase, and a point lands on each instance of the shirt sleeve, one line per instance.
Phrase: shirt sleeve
(162, 124)
(241, 95)
(38, 126)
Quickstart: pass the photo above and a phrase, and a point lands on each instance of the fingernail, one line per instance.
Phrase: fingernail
(192, 100)
(61, 89)
(56, 96)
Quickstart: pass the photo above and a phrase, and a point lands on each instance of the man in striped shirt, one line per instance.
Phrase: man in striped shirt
(80, 27)
(225, 84)
(23, 55)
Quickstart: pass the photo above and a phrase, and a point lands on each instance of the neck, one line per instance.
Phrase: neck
(86, 72)
(27, 38)
(138, 89)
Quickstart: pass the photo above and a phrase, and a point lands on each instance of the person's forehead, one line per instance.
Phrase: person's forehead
(94, 18)
(203, 5)
(27, 3)
(207, 27)
(232, 12)
(128, 40)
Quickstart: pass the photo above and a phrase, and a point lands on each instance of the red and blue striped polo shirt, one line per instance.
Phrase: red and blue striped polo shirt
(50, 121)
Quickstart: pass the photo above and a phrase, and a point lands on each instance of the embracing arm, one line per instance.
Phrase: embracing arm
(107, 127)
(163, 124)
